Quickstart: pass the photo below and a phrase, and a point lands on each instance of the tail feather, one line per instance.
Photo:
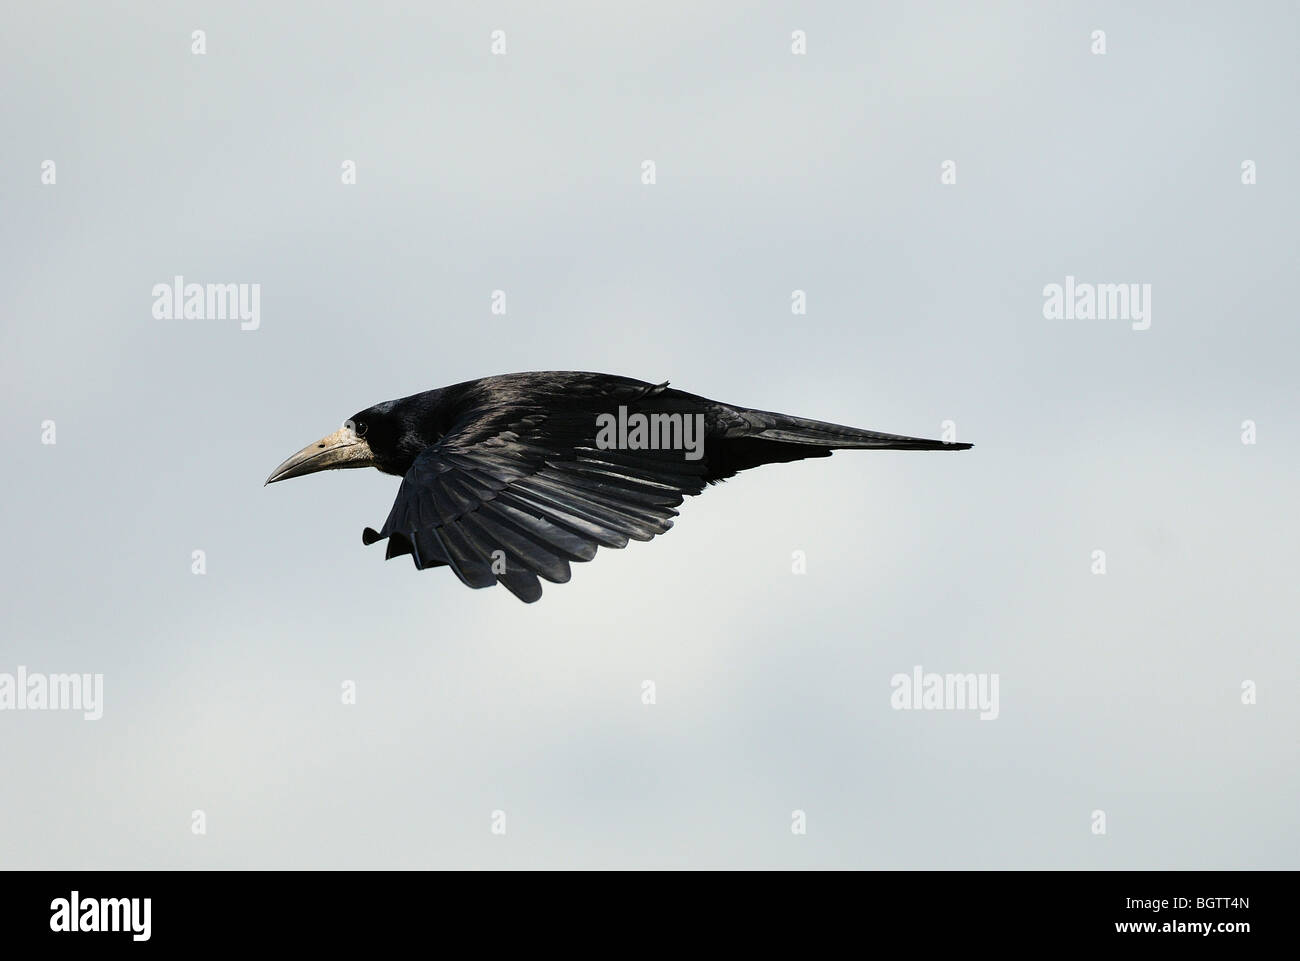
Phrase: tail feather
(816, 433)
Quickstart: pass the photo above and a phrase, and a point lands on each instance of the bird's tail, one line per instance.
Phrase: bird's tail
(815, 433)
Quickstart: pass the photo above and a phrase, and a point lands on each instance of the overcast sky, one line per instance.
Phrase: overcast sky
(823, 172)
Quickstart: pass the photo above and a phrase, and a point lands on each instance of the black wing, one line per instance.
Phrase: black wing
(511, 496)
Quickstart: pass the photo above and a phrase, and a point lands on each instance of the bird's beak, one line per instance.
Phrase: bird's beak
(343, 448)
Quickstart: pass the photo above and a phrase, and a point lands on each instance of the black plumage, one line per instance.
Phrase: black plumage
(509, 479)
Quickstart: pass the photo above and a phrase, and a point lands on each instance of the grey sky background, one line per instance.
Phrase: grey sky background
(775, 172)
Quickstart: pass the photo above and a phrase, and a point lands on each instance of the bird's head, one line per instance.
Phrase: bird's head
(369, 438)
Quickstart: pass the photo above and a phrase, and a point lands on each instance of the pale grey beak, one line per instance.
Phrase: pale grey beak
(341, 449)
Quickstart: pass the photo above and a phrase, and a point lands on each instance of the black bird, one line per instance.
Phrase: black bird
(505, 479)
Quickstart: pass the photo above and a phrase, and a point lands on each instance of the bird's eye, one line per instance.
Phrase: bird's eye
(359, 428)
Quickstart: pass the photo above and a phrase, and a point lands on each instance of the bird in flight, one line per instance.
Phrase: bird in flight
(511, 478)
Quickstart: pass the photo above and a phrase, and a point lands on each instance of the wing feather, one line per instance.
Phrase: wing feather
(511, 498)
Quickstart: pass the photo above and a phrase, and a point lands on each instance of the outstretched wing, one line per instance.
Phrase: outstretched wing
(513, 496)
